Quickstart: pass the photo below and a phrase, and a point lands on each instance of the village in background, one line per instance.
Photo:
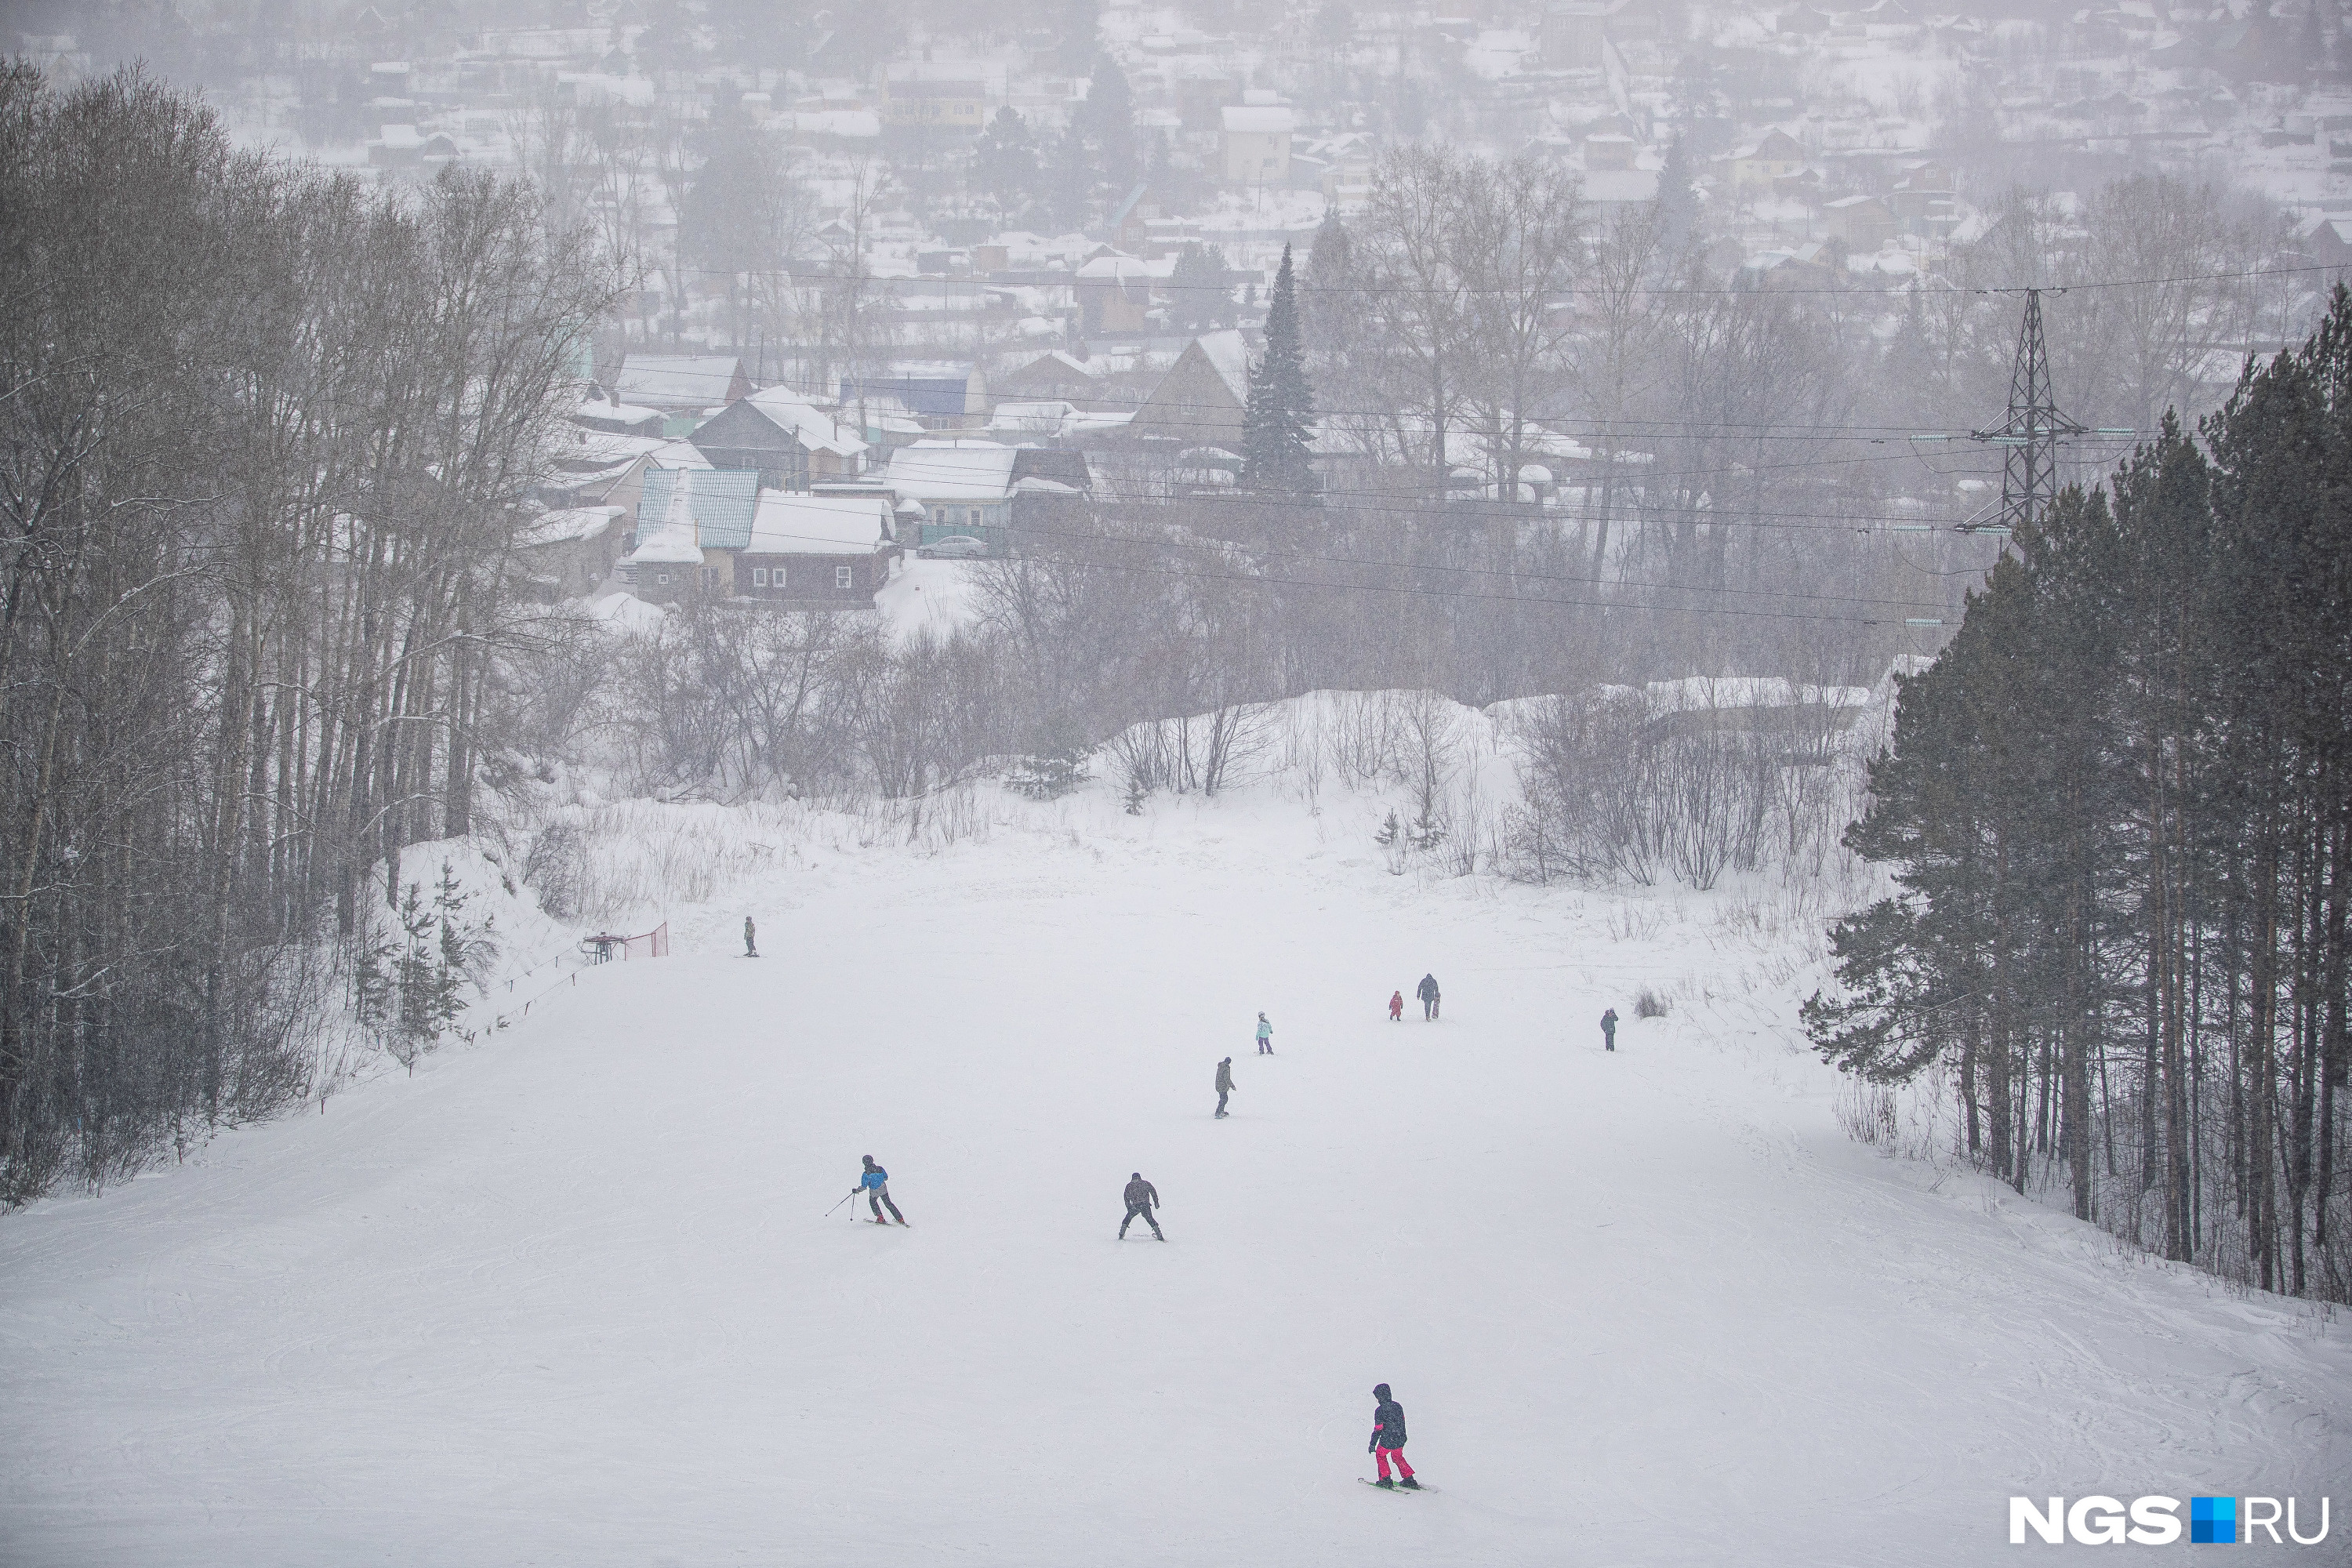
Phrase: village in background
(905, 280)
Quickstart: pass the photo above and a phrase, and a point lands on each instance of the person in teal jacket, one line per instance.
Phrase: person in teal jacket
(1265, 1036)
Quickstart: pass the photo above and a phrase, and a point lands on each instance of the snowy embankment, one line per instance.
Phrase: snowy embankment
(572, 1295)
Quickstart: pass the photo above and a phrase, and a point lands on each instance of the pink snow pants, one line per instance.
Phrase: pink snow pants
(1382, 1457)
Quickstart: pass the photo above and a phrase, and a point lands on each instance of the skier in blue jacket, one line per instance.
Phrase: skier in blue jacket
(1265, 1036)
(875, 1184)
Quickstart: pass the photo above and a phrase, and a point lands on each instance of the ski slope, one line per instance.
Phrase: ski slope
(572, 1296)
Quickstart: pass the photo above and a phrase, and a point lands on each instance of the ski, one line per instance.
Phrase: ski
(1366, 1481)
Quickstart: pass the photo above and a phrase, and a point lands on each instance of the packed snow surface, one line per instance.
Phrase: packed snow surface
(572, 1296)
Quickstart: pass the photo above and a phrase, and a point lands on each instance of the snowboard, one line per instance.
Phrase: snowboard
(1405, 1492)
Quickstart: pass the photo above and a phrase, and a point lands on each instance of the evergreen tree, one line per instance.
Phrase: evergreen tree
(2119, 810)
(1198, 297)
(1333, 288)
(1107, 121)
(1677, 203)
(1004, 164)
(1277, 429)
(1069, 181)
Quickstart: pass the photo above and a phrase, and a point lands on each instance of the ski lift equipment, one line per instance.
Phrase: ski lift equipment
(654, 943)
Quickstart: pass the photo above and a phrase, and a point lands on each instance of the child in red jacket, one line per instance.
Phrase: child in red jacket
(1396, 1007)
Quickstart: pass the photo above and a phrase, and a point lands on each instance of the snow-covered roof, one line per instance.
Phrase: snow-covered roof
(676, 453)
(676, 380)
(1262, 119)
(1043, 418)
(953, 471)
(601, 448)
(664, 547)
(613, 410)
(1115, 267)
(789, 523)
(810, 426)
(1229, 352)
(571, 524)
(1091, 369)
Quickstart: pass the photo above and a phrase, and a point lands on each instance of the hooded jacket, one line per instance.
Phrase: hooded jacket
(1224, 1077)
(1428, 987)
(1142, 1194)
(1388, 1421)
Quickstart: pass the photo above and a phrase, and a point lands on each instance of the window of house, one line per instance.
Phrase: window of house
(971, 518)
(758, 576)
(661, 576)
(845, 577)
(776, 577)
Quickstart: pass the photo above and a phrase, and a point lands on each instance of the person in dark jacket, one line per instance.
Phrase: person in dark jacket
(875, 1184)
(1141, 1197)
(1388, 1441)
(750, 938)
(1225, 1083)
(1427, 992)
(1608, 1030)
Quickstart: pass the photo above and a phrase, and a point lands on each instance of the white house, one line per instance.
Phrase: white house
(965, 486)
(1255, 141)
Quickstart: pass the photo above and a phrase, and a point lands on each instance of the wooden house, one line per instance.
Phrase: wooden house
(815, 552)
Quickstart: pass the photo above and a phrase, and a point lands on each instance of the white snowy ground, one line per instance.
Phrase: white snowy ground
(571, 1297)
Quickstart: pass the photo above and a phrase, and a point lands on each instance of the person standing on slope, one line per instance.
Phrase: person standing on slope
(1396, 1007)
(875, 1184)
(1427, 992)
(750, 938)
(1388, 1441)
(1225, 1083)
(1608, 1030)
(1141, 1197)
(1265, 1036)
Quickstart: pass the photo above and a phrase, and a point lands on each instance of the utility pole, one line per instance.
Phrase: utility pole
(2029, 437)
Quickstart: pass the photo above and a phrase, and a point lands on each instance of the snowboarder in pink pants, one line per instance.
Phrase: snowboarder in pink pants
(1388, 1441)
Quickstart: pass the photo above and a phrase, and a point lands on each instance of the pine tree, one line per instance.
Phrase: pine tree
(1197, 294)
(1333, 290)
(1004, 164)
(1277, 430)
(1107, 121)
(1070, 180)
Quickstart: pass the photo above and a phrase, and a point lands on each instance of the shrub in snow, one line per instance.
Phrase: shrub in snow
(557, 869)
(1650, 1004)
(410, 978)
(1047, 778)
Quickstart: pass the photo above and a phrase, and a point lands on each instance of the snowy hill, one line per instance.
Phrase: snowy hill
(572, 1296)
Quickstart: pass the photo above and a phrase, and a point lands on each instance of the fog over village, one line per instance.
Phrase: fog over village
(1625, 722)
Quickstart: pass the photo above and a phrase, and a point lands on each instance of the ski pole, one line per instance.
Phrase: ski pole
(830, 1213)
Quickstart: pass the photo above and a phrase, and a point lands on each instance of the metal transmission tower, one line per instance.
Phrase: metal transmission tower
(2032, 435)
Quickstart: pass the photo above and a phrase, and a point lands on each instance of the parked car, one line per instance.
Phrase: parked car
(956, 547)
